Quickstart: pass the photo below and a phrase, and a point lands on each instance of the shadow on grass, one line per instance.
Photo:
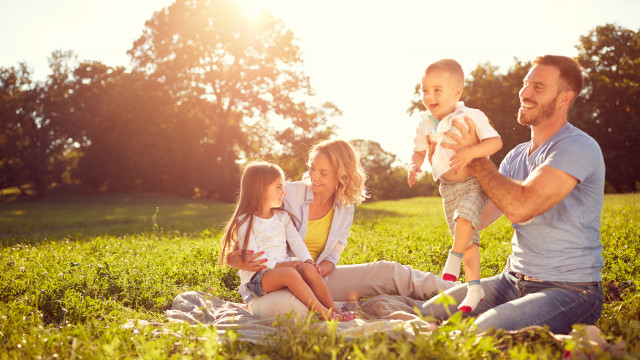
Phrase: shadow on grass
(76, 217)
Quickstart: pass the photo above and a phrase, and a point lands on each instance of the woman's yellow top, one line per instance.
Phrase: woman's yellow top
(317, 234)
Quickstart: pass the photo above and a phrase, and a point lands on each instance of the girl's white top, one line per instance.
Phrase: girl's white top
(272, 236)
(429, 126)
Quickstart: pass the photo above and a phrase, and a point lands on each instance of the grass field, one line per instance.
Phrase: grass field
(73, 269)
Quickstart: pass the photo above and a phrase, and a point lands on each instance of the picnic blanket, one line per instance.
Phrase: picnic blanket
(384, 313)
(390, 314)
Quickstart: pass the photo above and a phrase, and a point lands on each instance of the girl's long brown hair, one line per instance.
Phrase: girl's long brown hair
(257, 176)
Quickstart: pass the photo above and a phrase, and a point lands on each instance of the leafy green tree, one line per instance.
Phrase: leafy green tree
(378, 164)
(608, 109)
(386, 178)
(33, 128)
(309, 128)
(17, 97)
(496, 95)
(229, 67)
(127, 126)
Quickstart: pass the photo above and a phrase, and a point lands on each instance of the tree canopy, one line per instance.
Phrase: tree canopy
(608, 109)
(206, 86)
(232, 68)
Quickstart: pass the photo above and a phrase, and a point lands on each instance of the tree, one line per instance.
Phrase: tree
(127, 128)
(33, 128)
(232, 68)
(17, 96)
(496, 95)
(386, 180)
(308, 129)
(608, 109)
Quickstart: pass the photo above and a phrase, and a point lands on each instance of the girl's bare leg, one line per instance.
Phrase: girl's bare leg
(317, 285)
(288, 277)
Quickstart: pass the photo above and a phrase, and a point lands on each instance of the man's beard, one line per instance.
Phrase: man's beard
(544, 111)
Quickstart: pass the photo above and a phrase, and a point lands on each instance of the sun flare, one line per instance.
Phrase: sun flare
(254, 8)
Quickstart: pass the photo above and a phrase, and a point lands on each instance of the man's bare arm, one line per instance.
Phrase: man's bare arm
(519, 201)
(522, 201)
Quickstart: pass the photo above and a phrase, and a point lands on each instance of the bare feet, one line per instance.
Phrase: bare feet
(345, 315)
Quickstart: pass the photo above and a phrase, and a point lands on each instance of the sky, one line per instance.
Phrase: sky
(363, 55)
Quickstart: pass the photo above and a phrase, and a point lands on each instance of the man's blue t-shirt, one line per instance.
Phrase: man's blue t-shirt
(563, 243)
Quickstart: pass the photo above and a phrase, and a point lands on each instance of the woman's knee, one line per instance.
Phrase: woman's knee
(277, 303)
(384, 264)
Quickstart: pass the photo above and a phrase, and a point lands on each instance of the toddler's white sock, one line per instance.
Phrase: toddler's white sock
(451, 269)
(475, 294)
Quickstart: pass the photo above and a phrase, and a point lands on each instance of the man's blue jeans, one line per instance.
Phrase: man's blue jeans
(511, 303)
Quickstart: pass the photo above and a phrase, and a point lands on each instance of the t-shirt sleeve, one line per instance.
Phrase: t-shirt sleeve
(575, 155)
(504, 165)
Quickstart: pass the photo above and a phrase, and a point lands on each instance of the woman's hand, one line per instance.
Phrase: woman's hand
(294, 264)
(249, 263)
(326, 267)
(318, 268)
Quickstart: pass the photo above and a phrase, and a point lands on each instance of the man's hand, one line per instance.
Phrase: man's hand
(250, 262)
(466, 138)
(461, 158)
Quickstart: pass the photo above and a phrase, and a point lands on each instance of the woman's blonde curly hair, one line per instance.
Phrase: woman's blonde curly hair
(345, 159)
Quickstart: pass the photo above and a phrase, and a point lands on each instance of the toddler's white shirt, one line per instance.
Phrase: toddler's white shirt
(429, 126)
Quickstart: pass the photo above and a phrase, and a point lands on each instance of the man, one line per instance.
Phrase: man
(551, 188)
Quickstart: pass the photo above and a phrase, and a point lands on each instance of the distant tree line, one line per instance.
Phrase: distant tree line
(204, 80)
(608, 108)
(204, 85)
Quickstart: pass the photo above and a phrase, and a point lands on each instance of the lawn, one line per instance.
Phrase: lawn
(75, 268)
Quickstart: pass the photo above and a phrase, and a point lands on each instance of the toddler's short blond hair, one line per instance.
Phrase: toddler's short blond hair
(449, 65)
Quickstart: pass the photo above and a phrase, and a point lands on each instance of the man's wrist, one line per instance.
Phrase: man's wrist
(476, 164)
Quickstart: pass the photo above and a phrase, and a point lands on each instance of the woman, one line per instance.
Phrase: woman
(322, 207)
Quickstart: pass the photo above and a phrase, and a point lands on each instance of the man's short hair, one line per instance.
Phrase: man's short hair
(570, 71)
(449, 65)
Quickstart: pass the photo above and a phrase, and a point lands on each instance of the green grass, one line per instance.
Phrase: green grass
(74, 269)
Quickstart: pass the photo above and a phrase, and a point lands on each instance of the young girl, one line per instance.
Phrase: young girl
(259, 224)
